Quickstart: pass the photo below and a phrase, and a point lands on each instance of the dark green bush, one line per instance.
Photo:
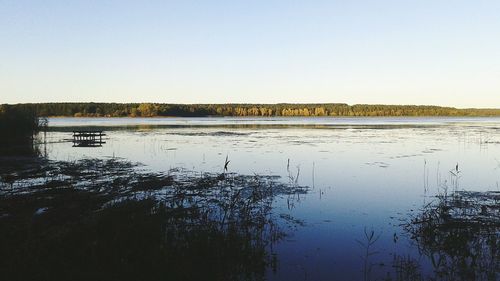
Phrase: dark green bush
(18, 122)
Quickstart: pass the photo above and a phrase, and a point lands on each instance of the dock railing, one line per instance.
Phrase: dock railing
(88, 138)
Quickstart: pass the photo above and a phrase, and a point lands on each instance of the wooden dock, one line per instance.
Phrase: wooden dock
(88, 138)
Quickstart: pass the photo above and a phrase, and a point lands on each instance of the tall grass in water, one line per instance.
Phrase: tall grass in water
(367, 246)
(459, 233)
(106, 220)
(18, 127)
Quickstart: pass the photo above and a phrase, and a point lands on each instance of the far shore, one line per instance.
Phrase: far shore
(278, 117)
(163, 110)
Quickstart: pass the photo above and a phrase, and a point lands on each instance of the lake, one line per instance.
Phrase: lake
(365, 175)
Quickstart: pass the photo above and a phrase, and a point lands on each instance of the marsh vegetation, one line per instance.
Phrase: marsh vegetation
(111, 220)
(460, 234)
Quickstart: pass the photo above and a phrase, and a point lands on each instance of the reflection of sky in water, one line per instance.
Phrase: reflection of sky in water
(363, 175)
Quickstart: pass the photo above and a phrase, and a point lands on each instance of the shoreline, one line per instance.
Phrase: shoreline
(277, 117)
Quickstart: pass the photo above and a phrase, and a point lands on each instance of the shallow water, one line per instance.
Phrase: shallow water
(364, 173)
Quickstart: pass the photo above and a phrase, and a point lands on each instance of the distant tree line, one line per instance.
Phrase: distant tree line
(283, 109)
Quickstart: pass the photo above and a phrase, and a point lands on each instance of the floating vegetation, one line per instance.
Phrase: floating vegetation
(491, 142)
(378, 163)
(105, 219)
(210, 134)
(460, 234)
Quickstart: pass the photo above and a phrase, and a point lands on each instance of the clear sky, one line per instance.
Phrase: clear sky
(443, 52)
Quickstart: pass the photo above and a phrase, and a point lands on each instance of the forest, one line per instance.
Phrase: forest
(282, 109)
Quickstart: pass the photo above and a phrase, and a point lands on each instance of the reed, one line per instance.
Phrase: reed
(108, 219)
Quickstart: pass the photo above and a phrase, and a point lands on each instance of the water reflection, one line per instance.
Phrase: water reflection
(19, 147)
(88, 138)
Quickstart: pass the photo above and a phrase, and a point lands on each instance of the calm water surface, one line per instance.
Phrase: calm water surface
(364, 173)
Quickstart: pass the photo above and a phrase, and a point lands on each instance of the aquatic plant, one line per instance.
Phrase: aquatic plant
(367, 245)
(405, 268)
(460, 234)
(294, 179)
(114, 220)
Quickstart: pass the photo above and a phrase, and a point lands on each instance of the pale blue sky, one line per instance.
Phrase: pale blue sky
(372, 51)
